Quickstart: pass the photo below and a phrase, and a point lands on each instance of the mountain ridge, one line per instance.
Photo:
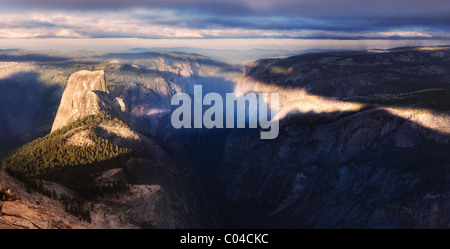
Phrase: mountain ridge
(376, 166)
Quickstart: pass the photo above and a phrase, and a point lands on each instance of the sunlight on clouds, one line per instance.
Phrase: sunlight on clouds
(181, 33)
(401, 34)
(68, 33)
(88, 24)
(164, 23)
(38, 33)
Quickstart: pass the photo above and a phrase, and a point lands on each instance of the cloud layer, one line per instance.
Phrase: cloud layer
(312, 19)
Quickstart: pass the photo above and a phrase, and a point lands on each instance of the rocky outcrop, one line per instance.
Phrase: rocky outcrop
(81, 97)
(33, 210)
(161, 193)
(16, 214)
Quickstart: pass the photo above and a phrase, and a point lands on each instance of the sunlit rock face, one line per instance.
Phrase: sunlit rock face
(80, 98)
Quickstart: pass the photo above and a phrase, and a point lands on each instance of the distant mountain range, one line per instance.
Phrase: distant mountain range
(233, 56)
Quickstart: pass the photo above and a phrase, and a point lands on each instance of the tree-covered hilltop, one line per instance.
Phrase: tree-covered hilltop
(55, 159)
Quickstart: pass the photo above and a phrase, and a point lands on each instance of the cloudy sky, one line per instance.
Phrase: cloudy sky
(385, 21)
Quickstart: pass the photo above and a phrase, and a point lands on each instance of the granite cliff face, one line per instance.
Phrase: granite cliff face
(81, 97)
(383, 164)
(162, 188)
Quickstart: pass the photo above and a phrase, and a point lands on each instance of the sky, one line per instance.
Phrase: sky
(291, 24)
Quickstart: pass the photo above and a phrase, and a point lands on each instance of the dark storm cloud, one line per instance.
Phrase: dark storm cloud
(346, 19)
(210, 6)
(274, 23)
(297, 23)
(305, 8)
